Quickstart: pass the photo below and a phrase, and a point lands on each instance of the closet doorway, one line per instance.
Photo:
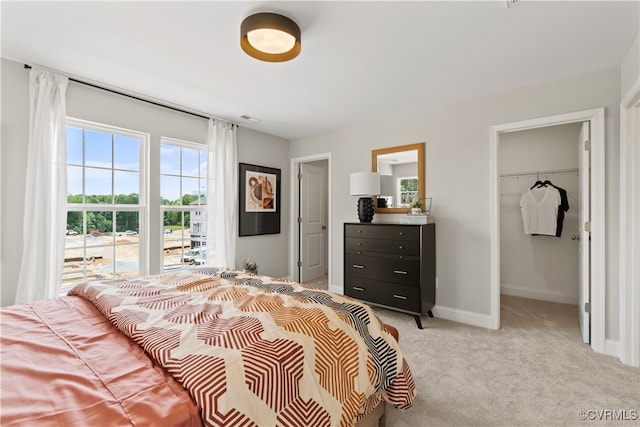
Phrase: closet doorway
(586, 267)
(310, 241)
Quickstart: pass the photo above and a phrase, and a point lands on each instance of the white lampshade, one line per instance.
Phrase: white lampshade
(364, 184)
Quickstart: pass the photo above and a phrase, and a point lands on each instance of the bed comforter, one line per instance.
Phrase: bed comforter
(258, 351)
(254, 350)
(64, 364)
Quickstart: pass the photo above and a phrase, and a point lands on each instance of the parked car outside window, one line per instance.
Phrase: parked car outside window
(195, 256)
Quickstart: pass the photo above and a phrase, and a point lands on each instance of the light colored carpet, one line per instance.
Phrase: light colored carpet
(534, 371)
(320, 283)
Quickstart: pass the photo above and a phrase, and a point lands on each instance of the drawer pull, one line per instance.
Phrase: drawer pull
(400, 247)
(359, 231)
(356, 288)
(401, 233)
(398, 271)
(399, 296)
(358, 266)
(359, 244)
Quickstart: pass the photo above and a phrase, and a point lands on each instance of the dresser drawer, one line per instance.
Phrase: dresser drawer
(389, 294)
(389, 232)
(386, 269)
(395, 247)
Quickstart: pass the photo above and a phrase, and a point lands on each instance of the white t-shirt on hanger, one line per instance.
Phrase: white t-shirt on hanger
(539, 208)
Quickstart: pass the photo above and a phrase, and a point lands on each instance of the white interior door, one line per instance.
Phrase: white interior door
(584, 276)
(313, 221)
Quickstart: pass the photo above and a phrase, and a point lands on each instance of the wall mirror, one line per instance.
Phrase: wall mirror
(402, 179)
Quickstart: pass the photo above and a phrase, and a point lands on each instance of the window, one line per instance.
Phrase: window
(408, 190)
(183, 200)
(106, 203)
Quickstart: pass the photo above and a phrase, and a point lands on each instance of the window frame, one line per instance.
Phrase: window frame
(401, 193)
(178, 208)
(142, 207)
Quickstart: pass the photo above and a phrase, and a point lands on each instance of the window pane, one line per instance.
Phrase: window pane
(99, 228)
(74, 237)
(98, 186)
(203, 191)
(169, 159)
(73, 270)
(175, 240)
(169, 190)
(203, 163)
(127, 225)
(127, 153)
(74, 184)
(74, 146)
(190, 191)
(99, 263)
(198, 228)
(127, 260)
(126, 187)
(190, 162)
(98, 149)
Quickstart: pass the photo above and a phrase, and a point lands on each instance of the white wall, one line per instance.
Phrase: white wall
(15, 134)
(630, 68)
(92, 104)
(457, 176)
(539, 267)
(270, 251)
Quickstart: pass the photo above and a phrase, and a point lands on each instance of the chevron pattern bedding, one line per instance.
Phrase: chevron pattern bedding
(259, 351)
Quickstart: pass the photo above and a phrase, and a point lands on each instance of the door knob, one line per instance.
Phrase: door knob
(324, 227)
(575, 237)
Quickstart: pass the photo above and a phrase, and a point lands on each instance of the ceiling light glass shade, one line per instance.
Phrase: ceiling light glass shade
(271, 41)
(270, 37)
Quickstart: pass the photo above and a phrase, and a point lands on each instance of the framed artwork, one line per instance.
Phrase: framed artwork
(259, 199)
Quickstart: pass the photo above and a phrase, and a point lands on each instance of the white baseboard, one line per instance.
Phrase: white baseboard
(462, 316)
(612, 348)
(338, 289)
(544, 295)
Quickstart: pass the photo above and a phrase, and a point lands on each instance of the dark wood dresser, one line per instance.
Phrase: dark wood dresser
(391, 266)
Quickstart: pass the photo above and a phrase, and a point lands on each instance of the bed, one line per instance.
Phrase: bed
(199, 346)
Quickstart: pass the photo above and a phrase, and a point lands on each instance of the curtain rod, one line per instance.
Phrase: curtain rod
(548, 172)
(158, 104)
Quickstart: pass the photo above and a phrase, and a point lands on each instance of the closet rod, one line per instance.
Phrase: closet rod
(537, 173)
(158, 104)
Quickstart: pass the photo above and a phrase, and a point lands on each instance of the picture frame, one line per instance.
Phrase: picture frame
(259, 200)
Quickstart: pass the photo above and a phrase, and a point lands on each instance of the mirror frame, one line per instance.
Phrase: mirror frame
(421, 176)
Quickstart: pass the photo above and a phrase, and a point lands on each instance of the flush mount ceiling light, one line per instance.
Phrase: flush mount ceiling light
(270, 37)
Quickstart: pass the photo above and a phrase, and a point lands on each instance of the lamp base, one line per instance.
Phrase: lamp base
(365, 209)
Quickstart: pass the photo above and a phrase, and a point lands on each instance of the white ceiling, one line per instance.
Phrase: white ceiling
(360, 60)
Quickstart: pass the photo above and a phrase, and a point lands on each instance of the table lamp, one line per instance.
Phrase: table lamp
(365, 185)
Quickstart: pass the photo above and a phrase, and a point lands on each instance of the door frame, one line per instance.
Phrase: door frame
(295, 199)
(598, 260)
(629, 230)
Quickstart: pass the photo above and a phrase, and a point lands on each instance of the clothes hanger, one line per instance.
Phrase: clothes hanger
(537, 184)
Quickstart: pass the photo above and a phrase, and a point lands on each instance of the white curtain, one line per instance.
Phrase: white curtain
(222, 194)
(45, 207)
